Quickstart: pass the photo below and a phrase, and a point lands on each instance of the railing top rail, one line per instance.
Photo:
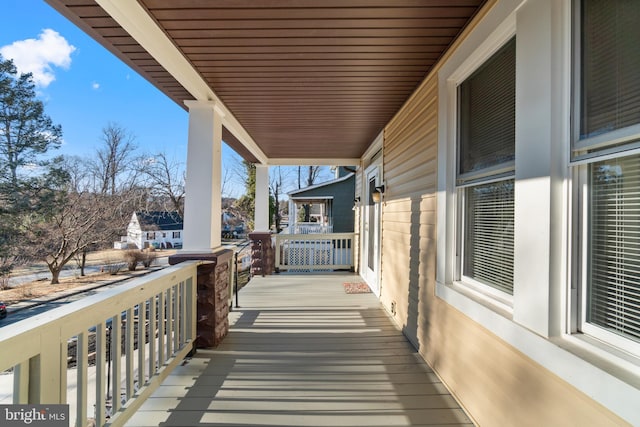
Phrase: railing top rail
(315, 236)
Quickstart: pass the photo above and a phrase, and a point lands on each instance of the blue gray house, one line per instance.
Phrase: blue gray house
(330, 203)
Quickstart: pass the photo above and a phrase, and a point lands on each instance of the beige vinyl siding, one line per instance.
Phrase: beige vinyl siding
(498, 385)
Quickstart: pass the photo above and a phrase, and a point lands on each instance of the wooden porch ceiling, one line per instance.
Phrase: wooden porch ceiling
(306, 79)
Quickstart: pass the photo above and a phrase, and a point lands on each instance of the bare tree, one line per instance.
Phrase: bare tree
(226, 181)
(165, 180)
(113, 166)
(78, 222)
(276, 189)
(73, 219)
(312, 174)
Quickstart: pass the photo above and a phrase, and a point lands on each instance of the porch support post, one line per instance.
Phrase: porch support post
(203, 200)
(261, 219)
(293, 215)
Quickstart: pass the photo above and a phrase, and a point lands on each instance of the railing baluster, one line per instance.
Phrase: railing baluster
(142, 342)
(180, 319)
(278, 250)
(176, 317)
(191, 309)
(116, 361)
(169, 323)
(152, 336)
(21, 383)
(129, 353)
(101, 373)
(82, 367)
(161, 329)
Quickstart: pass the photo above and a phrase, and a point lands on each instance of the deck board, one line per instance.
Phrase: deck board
(302, 352)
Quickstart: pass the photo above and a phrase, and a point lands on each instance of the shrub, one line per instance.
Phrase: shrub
(132, 257)
(112, 267)
(148, 258)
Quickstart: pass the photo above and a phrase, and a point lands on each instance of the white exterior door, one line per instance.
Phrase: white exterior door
(371, 230)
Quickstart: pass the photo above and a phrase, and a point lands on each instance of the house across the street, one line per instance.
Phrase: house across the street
(157, 229)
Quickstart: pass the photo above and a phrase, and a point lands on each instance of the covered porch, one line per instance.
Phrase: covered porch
(303, 352)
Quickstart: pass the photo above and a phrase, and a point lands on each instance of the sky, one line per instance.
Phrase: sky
(85, 88)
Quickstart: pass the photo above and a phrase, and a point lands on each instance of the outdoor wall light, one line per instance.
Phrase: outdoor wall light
(376, 196)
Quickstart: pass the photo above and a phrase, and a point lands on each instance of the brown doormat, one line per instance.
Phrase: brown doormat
(356, 288)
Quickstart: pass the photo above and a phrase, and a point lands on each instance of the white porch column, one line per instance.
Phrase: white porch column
(203, 199)
(261, 219)
(292, 215)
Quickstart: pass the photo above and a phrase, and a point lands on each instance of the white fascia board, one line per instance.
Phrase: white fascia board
(375, 146)
(314, 162)
(135, 20)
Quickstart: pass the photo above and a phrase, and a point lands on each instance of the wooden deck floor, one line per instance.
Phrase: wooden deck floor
(302, 352)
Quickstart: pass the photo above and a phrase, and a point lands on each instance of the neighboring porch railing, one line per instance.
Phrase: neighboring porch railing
(95, 345)
(308, 228)
(314, 252)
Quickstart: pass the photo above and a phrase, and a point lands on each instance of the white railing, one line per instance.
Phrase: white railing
(85, 352)
(314, 252)
(308, 228)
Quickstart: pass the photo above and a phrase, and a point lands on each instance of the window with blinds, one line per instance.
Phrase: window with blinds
(614, 246)
(486, 153)
(488, 246)
(608, 100)
(488, 115)
(609, 78)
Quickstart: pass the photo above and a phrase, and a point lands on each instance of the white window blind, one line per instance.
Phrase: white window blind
(610, 64)
(614, 288)
(488, 244)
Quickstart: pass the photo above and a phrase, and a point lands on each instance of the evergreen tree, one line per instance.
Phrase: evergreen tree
(26, 132)
(26, 135)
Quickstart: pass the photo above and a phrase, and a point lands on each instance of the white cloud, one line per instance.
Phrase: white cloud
(39, 56)
(95, 85)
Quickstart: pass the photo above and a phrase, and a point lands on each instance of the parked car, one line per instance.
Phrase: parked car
(3, 310)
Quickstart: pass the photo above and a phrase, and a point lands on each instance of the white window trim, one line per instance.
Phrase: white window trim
(610, 379)
(486, 295)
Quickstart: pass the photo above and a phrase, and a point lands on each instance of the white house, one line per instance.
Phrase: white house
(158, 229)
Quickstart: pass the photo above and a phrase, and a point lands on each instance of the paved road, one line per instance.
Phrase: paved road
(44, 275)
(24, 310)
(68, 271)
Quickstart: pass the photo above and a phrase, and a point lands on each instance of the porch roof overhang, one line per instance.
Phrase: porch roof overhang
(310, 199)
(298, 81)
